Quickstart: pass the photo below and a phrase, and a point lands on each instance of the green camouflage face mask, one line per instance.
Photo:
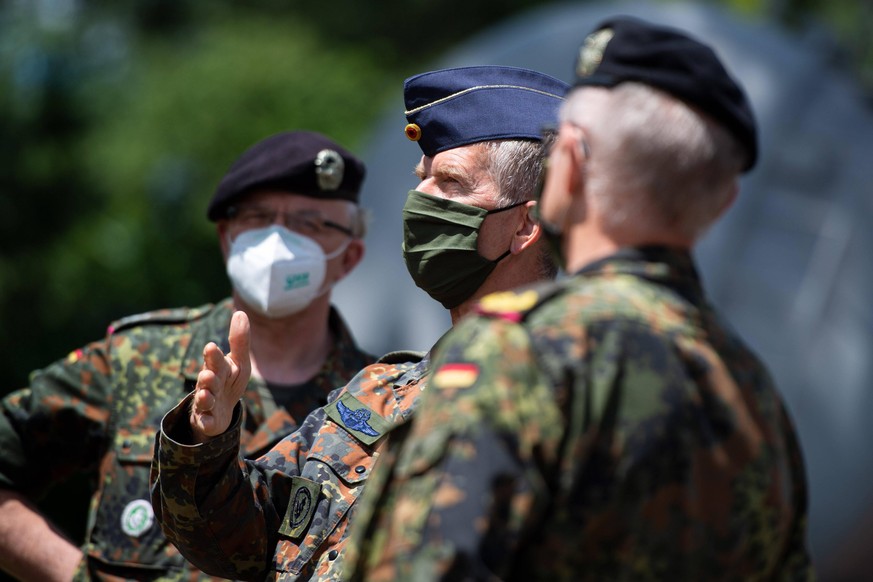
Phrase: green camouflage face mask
(439, 247)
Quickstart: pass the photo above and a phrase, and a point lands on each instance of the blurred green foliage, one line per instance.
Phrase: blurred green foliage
(118, 119)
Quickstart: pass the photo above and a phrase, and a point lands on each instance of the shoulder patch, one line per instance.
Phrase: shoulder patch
(357, 418)
(178, 315)
(401, 357)
(455, 375)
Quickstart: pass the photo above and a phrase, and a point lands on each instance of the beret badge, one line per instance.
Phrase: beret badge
(329, 167)
(591, 52)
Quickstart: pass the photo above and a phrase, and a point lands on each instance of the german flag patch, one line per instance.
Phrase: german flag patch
(455, 376)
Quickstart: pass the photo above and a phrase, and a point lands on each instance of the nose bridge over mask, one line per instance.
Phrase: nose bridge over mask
(423, 204)
(432, 223)
(275, 271)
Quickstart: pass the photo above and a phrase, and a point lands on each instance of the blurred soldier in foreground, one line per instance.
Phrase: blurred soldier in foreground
(609, 426)
(289, 227)
(468, 232)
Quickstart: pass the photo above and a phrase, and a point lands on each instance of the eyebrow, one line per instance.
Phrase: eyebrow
(447, 171)
(419, 171)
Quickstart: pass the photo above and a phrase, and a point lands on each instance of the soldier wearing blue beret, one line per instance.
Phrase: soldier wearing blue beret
(290, 228)
(609, 426)
(468, 231)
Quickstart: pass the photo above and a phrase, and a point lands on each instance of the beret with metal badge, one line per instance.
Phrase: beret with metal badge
(298, 162)
(625, 48)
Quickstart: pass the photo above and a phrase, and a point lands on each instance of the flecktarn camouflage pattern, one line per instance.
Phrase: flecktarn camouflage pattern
(285, 515)
(98, 411)
(606, 427)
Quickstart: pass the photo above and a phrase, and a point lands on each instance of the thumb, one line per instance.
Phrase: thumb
(239, 338)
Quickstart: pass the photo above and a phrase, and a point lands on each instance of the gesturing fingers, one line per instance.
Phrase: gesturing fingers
(239, 358)
(204, 396)
(221, 382)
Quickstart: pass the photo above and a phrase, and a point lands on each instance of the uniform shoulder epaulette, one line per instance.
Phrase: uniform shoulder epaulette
(517, 304)
(401, 357)
(163, 316)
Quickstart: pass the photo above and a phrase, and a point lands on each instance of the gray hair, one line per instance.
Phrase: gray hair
(654, 160)
(516, 167)
(359, 220)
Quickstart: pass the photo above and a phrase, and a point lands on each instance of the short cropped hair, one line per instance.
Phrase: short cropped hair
(654, 158)
(515, 167)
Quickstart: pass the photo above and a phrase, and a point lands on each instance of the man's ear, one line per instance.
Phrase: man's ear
(528, 230)
(353, 255)
(578, 156)
(568, 162)
(221, 227)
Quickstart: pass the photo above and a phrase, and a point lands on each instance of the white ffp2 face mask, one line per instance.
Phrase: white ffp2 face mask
(276, 271)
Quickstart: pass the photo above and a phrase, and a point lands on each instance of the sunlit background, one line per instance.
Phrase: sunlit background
(118, 119)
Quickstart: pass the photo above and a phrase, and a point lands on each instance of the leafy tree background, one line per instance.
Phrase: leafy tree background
(118, 119)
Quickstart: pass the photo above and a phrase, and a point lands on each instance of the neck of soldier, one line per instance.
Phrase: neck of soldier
(589, 240)
(290, 350)
(515, 270)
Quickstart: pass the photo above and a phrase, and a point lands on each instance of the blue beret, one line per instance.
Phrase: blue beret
(624, 48)
(455, 107)
(298, 162)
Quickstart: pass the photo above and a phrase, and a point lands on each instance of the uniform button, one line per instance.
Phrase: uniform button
(360, 469)
(331, 555)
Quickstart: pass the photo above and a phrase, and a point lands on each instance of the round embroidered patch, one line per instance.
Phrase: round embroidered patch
(137, 517)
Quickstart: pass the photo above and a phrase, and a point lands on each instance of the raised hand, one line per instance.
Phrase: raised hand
(221, 382)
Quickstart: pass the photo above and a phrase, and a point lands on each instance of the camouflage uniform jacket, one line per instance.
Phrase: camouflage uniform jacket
(284, 515)
(99, 410)
(605, 427)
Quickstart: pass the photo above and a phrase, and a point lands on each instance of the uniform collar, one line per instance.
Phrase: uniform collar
(664, 265)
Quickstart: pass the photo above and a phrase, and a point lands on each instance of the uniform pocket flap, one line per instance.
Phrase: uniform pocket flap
(348, 457)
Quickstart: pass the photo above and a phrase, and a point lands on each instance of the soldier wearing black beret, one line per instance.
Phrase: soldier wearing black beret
(290, 228)
(608, 426)
(303, 163)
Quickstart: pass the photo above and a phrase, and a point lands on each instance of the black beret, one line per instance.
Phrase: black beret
(298, 162)
(624, 48)
(454, 107)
